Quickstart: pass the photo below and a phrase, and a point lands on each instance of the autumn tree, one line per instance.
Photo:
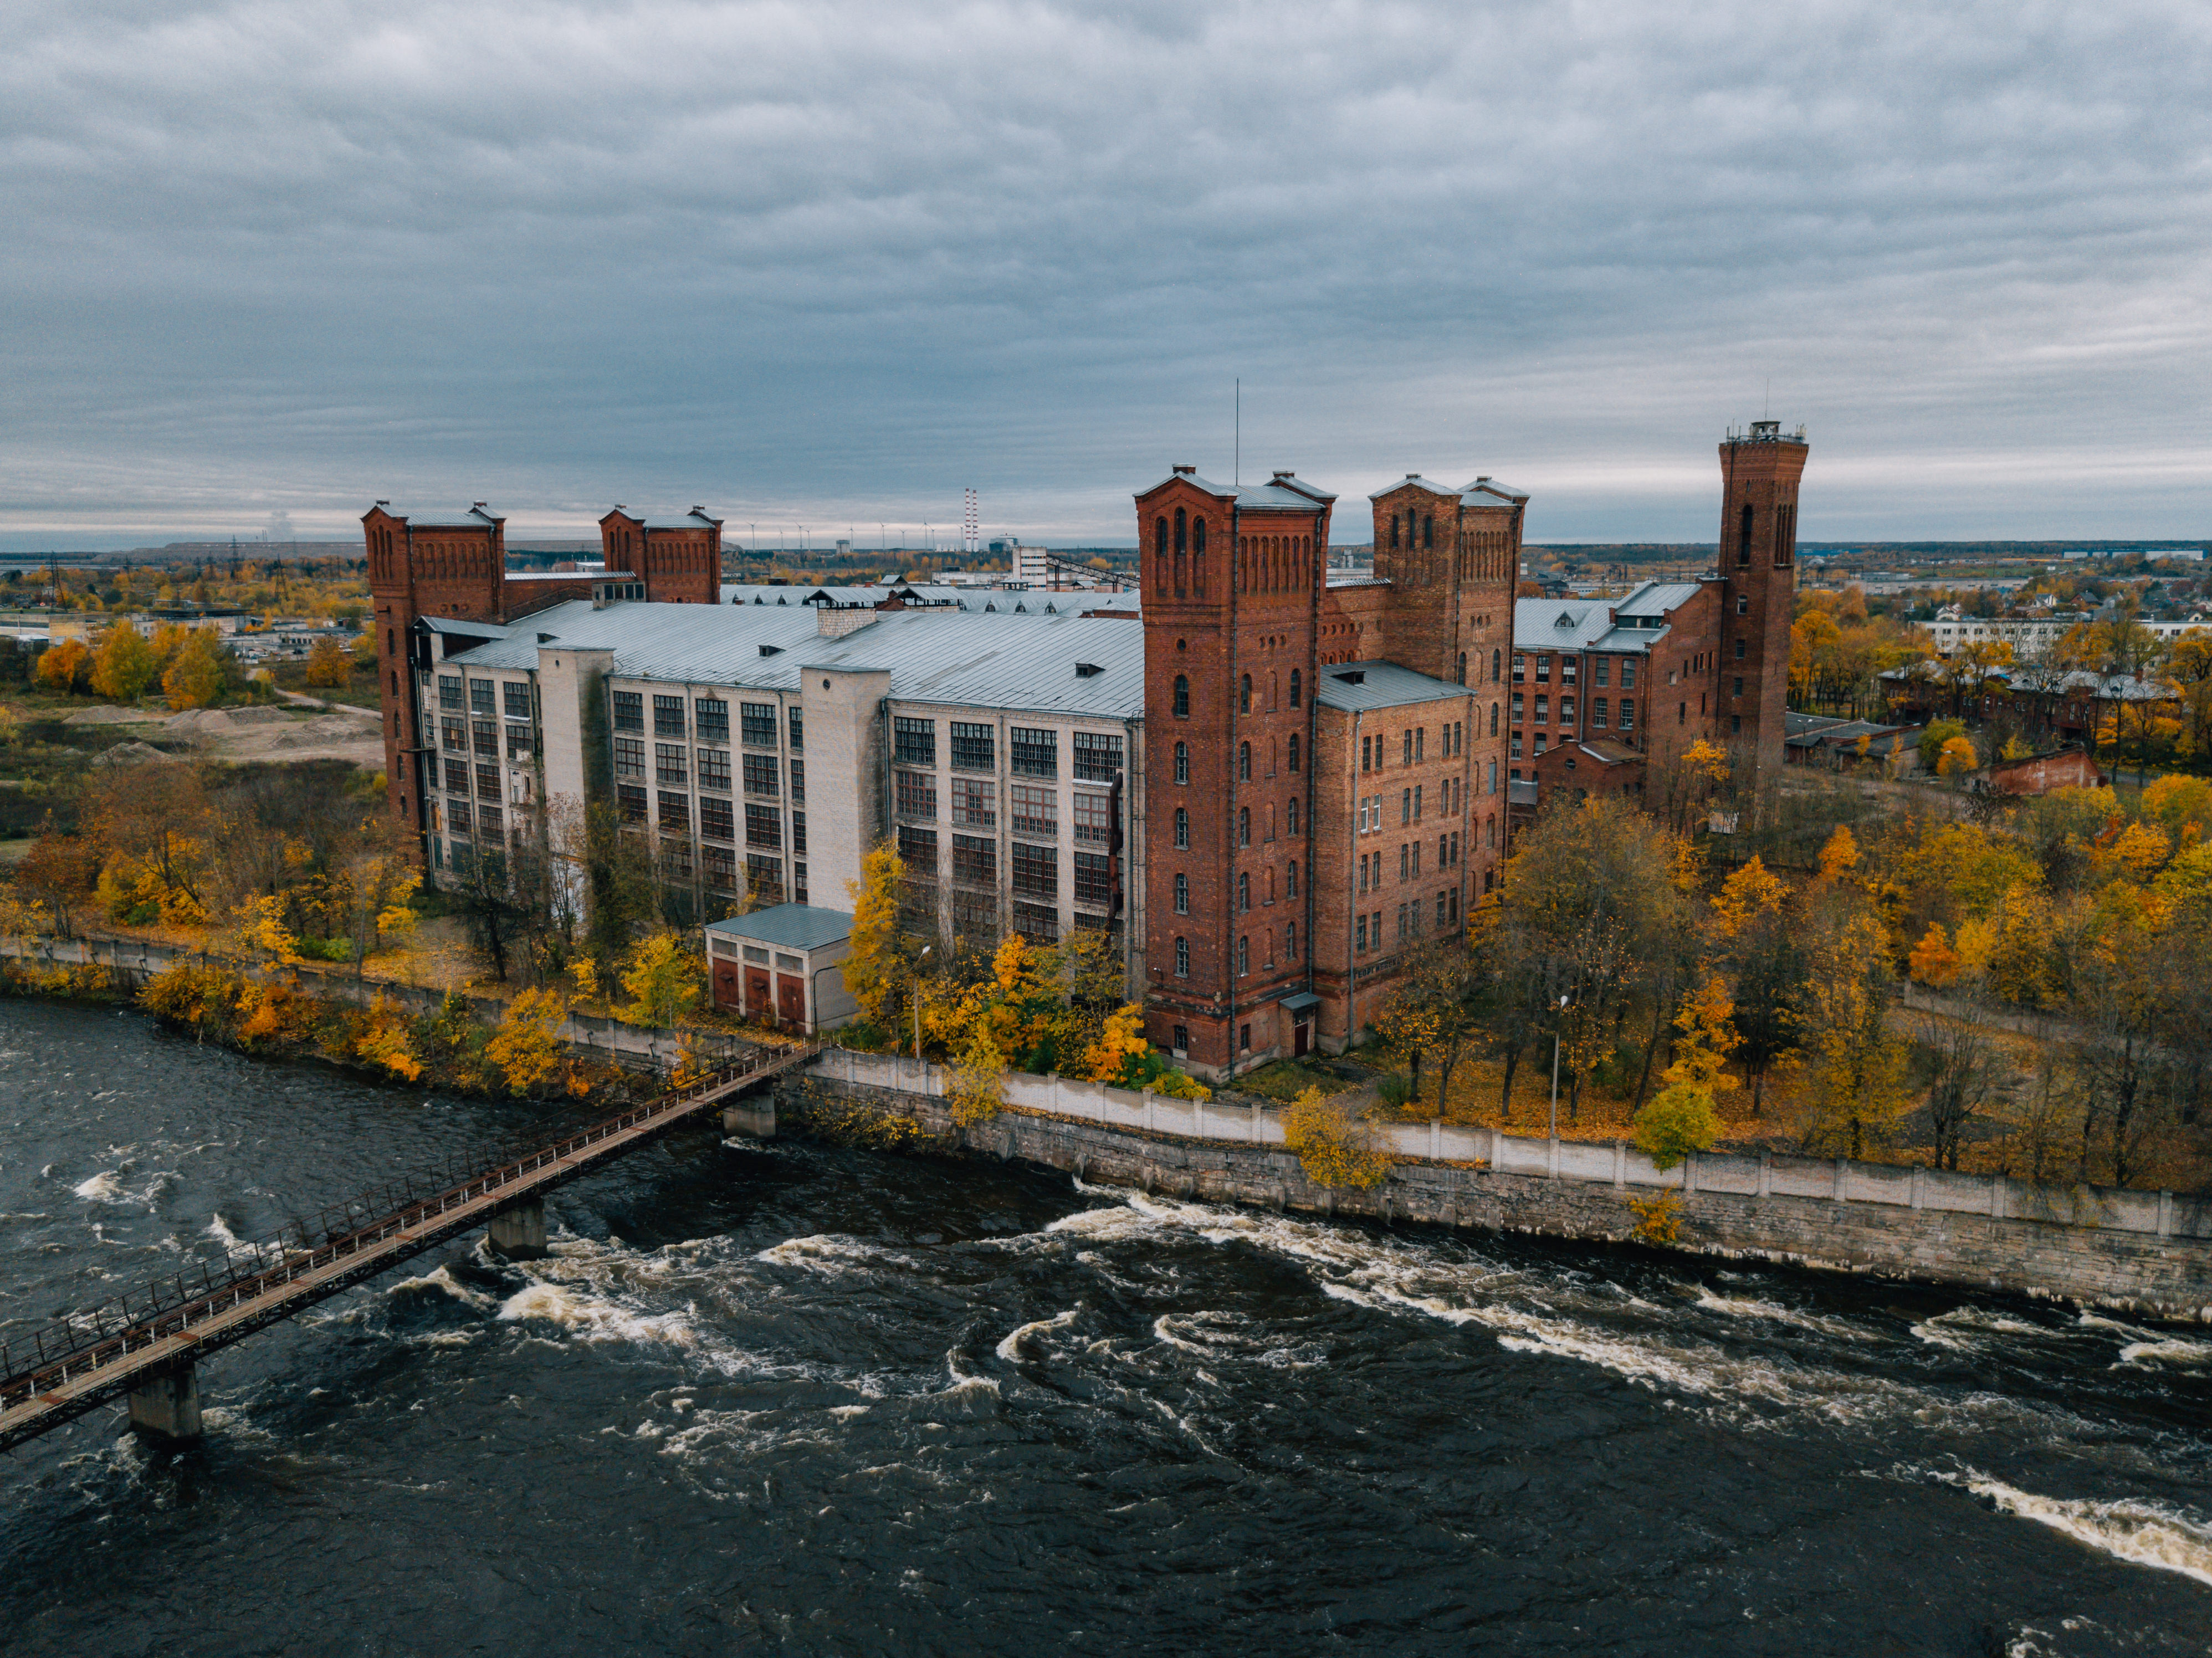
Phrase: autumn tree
(524, 1045)
(125, 667)
(664, 980)
(329, 664)
(876, 969)
(1594, 912)
(1857, 1068)
(66, 666)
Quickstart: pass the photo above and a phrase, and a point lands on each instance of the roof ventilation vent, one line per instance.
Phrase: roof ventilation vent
(771, 650)
(1186, 471)
(1357, 677)
(1085, 670)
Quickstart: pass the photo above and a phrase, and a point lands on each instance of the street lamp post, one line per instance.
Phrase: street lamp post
(1556, 1029)
(925, 948)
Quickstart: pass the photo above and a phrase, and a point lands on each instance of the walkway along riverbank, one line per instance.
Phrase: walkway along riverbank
(2148, 1252)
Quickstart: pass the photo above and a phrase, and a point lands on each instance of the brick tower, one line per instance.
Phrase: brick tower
(1759, 470)
(449, 565)
(1233, 581)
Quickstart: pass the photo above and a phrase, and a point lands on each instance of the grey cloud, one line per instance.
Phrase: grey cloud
(821, 261)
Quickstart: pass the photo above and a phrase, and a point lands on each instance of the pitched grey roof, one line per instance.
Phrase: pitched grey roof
(1418, 482)
(1028, 663)
(1297, 496)
(706, 644)
(1491, 486)
(1360, 687)
(1656, 598)
(794, 926)
(442, 518)
(452, 624)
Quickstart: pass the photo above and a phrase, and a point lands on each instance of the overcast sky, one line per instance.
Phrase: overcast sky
(828, 263)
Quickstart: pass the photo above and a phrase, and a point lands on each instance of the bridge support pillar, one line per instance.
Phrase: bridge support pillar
(519, 1233)
(166, 1407)
(755, 1118)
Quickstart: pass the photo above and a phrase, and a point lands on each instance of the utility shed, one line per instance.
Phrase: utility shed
(785, 964)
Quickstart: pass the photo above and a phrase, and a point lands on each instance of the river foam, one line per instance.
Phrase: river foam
(2133, 1529)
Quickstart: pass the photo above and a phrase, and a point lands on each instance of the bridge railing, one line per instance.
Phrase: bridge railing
(135, 1319)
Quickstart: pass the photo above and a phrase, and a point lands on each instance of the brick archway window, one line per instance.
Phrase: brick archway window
(1181, 829)
(1493, 720)
(1429, 530)
(1183, 531)
(1182, 762)
(1182, 696)
(1244, 695)
(1243, 763)
(1182, 957)
(1743, 537)
(1244, 826)
(1294, 767)
(1497, 661)
(1297, 682)
(1393, 529)
(1160, 556)
(1243, 957)
(1462, 667)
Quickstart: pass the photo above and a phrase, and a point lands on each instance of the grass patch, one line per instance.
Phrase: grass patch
(1284, 1080)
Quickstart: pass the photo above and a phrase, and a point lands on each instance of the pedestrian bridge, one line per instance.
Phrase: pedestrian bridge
(147, 1343)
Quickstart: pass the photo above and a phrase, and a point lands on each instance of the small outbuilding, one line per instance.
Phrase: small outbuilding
(785, 964)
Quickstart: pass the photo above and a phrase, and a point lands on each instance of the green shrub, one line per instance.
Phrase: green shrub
(1677, 1121)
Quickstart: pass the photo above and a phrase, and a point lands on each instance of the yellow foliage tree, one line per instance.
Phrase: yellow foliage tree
(979, 1080)
(2139, 852)
(524, 1045)
(60, 666)
(195, 678)
(1858, 1070)
(1333, 1147)
(1933, 961)
(1122, 1039)
(1956, 757)
(388, 1041)
(663, 980)
(1748, 894)
(874, 963)
(125, 667)
(1840, 856)
(257, 929)
(1707, 1039)
(329, 664)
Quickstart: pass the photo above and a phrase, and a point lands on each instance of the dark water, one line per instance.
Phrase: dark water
(810, 1400)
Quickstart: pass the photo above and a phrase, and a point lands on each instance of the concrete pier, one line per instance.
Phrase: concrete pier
(519, 1233)
(166, 1407)
(753, 1116)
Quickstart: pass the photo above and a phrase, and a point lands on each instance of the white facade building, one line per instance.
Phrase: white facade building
(763, 750)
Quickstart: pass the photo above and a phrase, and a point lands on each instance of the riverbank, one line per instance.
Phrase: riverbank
(2139, 1252)
(425, 1038)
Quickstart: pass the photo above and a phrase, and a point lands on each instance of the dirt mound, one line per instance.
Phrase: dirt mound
(131, 754)
(106, 714)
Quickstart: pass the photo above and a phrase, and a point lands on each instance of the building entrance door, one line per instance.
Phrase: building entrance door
(1300, 1033)
(790, 1000)
(757, 1000)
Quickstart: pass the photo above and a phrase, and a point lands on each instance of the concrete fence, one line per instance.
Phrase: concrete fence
(136, 960)
(1839, 1179)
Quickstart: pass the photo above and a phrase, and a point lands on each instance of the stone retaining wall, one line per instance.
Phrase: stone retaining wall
(2170, 1276)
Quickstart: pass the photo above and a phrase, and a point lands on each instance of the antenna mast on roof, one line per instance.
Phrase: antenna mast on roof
(970, 540)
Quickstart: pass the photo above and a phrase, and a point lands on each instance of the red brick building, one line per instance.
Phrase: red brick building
(450, 569)
(1265, 684)
(1330, 760)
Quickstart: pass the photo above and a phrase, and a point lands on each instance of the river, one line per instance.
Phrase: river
(801, 1399)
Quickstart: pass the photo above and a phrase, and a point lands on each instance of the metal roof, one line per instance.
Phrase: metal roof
(1297, 496)
(704, 644)
(1418, 482)
(1488, 486)
(441, 518)
(790, 927)
(454, 624)
(1656, 598)
(1361, 687)
(1027, 663)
